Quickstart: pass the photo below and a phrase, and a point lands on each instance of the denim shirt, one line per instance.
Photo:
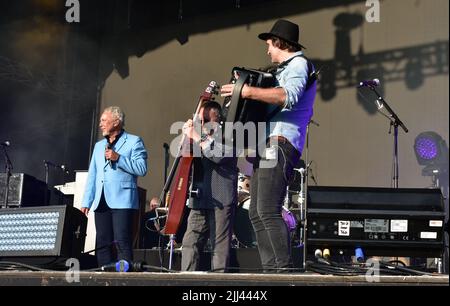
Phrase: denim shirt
(297, 110)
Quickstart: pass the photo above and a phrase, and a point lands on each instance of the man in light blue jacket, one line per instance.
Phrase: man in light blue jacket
(111, 188)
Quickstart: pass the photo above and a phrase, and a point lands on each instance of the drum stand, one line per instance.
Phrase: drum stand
(302, 213)
(171, 243)
(301, 201)
(303, 195)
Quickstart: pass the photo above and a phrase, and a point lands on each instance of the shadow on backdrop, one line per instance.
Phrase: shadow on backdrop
(410, 64)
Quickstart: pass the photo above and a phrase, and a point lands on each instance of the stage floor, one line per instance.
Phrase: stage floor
(20, 278)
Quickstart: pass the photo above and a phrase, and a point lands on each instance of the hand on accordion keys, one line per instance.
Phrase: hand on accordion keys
(227, 89)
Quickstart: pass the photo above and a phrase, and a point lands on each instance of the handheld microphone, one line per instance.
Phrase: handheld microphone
(369, 83)
(108, 144)
(5, 144)
(108, 147)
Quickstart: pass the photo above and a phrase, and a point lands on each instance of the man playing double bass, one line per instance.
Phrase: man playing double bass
(213, 209)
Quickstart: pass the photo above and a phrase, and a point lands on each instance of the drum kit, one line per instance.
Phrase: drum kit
(243, 229)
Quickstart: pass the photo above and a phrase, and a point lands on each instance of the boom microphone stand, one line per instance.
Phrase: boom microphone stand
(394, 122)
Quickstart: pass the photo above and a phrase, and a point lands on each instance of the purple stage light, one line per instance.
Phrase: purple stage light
(431, 150)
(426, 148)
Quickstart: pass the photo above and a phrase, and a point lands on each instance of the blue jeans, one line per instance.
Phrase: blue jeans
(113, 227)
(268, 190)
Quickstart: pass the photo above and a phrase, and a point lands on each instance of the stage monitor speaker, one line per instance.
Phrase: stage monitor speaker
(24, 190)
(42, 231)
(381, 221)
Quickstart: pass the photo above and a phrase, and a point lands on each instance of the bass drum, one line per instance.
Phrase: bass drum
(243, 228)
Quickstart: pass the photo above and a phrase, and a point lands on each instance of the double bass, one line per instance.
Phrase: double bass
(175, 191)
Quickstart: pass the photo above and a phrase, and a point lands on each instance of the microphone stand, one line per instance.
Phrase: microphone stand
(304, 191)
(46, 182)
(8, 168)
(395, 122)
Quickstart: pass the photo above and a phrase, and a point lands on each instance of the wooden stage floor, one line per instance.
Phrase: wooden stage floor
(24, 278)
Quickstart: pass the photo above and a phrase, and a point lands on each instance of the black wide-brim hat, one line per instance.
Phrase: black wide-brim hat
(285, 30)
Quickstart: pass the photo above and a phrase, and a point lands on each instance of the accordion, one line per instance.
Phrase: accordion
(235, 109)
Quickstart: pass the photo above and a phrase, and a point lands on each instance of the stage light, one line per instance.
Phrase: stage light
(42, 231)
(430, 149)
(426, 150)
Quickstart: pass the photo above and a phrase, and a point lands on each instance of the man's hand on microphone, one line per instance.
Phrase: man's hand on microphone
(111, 155)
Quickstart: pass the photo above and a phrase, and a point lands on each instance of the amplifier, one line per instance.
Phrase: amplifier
(24, 190)
(381, 221)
